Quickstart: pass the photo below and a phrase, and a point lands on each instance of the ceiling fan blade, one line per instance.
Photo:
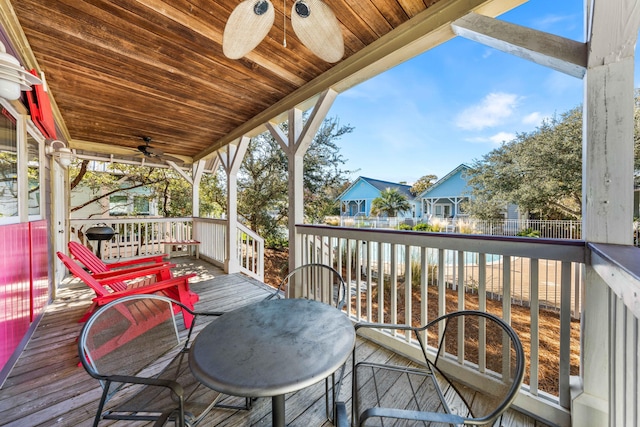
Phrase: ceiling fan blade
(153, 150)
(318, 29)
(176, 160)
(247, 25)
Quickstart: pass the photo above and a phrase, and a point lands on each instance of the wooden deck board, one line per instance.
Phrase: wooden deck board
(47, 387)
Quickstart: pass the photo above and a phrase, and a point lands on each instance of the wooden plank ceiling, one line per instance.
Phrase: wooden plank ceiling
(121, 70)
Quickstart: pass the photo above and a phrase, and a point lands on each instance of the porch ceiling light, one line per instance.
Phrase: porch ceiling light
(59, 151)
(13, 77)
(313, 22)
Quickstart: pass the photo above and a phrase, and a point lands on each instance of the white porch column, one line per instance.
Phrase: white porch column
(197, 170)
(231, 157)
(607, 193)
(295, 145)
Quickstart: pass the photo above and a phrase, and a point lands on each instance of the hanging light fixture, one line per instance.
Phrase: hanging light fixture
(59, 151)
(313, 22)
(13, 77)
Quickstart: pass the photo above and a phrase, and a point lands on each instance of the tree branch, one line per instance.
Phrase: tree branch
(117, 190)
(81, 174)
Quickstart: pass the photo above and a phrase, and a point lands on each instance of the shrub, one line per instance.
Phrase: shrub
(416, 274)
(423, 226)
(529, 232)
(438, 224)
(404, 227)
(465, 227)
(332, 221)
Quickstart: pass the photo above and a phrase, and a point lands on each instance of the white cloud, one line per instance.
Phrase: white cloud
(490, 112)
(534, 118)
(501, 137)
(496, 139)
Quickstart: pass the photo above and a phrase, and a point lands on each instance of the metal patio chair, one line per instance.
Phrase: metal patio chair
(145, 281)
(322, 283)
(133, 347)
(316, 281)
(473, 348)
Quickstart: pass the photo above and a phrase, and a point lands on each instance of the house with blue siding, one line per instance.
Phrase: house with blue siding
(357, 198)
(446, 197)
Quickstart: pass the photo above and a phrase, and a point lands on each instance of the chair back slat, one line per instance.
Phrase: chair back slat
(86, 257)
(81, 274)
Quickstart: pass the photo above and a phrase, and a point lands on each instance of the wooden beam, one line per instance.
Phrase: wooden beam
(182, 173)
(559, 53)
(421, 33)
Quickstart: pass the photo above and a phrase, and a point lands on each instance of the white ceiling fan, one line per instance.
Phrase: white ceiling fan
(313, 22)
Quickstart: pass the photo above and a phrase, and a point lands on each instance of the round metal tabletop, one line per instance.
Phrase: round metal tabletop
(272, 347)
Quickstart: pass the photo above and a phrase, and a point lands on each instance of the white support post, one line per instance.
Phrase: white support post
(231, 159)
(607, 186)
(295, 145)
(197, 170)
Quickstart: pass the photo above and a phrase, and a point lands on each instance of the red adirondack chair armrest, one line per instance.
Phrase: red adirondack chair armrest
(150, 259)
(154, 287)
(109, 277)
(142, 270)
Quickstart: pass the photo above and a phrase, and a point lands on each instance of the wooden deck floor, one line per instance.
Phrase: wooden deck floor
(47, 388)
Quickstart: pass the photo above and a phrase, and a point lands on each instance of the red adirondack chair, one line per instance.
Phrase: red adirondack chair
(96, 265)
(102, 270)
(176, 288)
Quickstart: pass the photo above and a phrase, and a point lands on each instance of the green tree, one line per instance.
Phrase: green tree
(263, 181)
(541, 172)
(390, 203)
(423, 184)
(166, 186)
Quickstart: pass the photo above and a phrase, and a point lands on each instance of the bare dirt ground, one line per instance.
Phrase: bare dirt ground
(276, 268)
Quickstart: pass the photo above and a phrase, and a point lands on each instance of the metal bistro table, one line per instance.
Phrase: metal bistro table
(271, 348)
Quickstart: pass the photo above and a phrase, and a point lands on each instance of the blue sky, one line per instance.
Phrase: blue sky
(456, 102)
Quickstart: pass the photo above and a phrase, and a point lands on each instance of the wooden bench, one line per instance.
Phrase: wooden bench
(190, 244)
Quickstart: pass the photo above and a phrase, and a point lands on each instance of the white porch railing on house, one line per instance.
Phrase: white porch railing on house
(550, 229)
(144, 236)
(518, 279)
(212, 234)
(616, 299)
(134, 236)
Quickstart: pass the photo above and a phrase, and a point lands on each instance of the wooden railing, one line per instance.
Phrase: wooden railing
(212, 234)
(523, 280)
(134, 236)
(143, 236)
(614, 342)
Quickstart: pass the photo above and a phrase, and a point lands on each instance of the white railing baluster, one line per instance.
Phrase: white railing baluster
(482, 306)
(369, 307)
(408, 288)
(381, 273)
(565, 334)
(534, 309)
(393, 283)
